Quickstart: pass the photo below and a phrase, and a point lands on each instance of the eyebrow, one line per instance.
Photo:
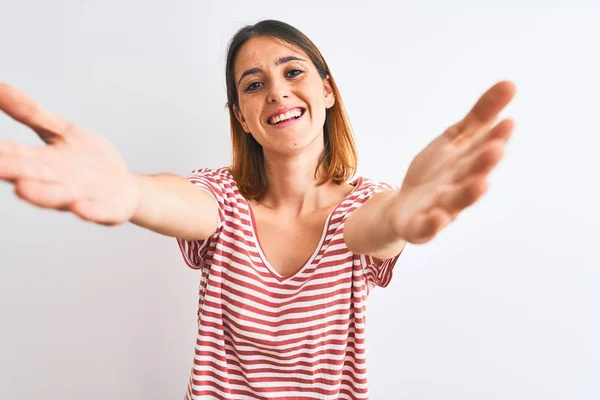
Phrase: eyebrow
(278, 62)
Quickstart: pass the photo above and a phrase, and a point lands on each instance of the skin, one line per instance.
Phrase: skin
(292, 153)
(446, 177)
(294, 208)
(80, 172)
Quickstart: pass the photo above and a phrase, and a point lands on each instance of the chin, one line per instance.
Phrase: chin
(294, 147)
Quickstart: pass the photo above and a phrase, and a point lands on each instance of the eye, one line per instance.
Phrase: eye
(253, 86)
(294, 72)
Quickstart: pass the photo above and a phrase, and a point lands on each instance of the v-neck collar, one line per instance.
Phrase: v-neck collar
(282, 278)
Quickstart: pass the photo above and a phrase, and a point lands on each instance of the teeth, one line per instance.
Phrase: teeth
(282, 117)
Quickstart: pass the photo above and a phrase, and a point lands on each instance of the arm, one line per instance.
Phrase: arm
(369, 229)
(446, 177)
(80, 172)
(171, 205)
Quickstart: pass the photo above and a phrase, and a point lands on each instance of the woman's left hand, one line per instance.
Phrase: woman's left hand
(451, 173)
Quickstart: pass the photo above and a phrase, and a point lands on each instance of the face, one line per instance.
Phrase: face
(282, 98)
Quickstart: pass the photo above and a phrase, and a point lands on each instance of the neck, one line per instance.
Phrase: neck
(292, 183)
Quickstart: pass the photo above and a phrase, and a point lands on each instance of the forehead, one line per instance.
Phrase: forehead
(262, 51)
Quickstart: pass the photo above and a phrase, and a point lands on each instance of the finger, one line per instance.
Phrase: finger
(22, 108)
(501, 131)
(428, 225)
(480, 162)
(459, 197)
(485, 110)
(13, 149)
(16, 168)
(42, 194)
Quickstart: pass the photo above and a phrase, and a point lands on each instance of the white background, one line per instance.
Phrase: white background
(503, 304)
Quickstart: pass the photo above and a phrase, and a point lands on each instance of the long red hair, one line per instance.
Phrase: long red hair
(338, 161)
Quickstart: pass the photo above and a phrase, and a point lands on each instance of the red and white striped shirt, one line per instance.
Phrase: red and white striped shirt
(266, 336)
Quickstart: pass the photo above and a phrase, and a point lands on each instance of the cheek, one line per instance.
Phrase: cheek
(318, 105)
(320, 116)
(251, 114)
(317, 95)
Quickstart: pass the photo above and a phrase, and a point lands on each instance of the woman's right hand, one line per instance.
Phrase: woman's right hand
(75, 171)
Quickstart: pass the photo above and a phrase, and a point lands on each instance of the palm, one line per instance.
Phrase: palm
(450, 173)
(76, 171)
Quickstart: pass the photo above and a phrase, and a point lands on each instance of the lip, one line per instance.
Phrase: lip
(283, 110)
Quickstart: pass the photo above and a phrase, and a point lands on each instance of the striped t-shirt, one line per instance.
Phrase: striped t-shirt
(266, 336)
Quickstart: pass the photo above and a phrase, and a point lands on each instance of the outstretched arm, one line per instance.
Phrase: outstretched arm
(446, 177)
(80, 172)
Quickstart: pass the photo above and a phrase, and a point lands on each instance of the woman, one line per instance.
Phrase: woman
(287, 245)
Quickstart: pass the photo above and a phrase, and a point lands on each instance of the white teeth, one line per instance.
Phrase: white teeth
(282, 117)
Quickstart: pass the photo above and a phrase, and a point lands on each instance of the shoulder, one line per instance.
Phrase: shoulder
(219, 181)
(222, 174)
(221, 177)
(366, 188)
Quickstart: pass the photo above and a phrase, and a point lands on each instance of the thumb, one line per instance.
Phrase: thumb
(50, 127)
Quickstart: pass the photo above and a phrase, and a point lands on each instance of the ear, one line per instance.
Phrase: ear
(241, 119)
(328, 91)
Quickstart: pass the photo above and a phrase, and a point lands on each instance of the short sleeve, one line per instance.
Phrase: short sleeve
(198, 253)
(377, 272)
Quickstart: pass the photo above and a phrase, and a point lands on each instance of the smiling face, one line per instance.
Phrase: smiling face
(282, 97)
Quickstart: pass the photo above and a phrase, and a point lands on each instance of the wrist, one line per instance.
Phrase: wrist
(141, 182)
(393, 222)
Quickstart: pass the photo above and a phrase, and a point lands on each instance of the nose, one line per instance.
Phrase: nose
(278, 91)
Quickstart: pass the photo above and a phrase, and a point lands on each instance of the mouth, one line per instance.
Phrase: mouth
(286, 118)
